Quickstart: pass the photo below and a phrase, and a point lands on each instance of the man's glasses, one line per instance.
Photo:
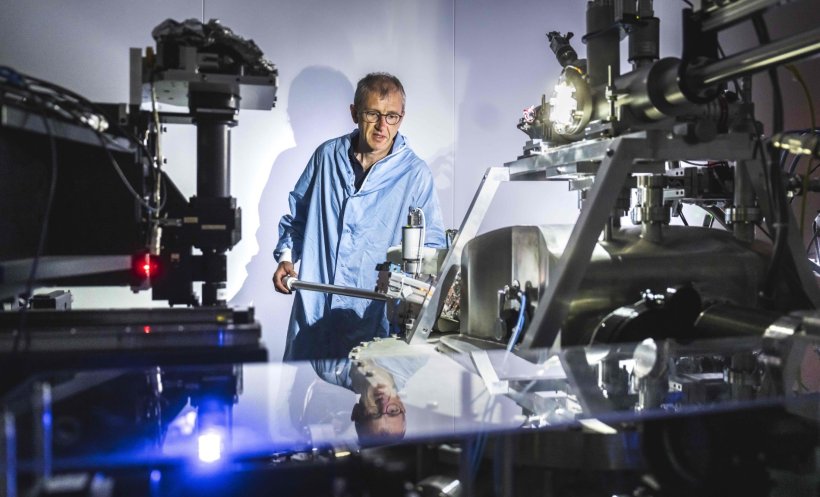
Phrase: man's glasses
(372, 116)
(391, 410)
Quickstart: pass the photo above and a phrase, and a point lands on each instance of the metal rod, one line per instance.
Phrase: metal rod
(553, 308)
(349, 291)
(758, 59)
(731, 13)
(469, 228)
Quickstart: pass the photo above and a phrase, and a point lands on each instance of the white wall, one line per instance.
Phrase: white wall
(469, 66)
(321, 49)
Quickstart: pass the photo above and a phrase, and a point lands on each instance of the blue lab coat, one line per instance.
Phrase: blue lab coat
(340, 235)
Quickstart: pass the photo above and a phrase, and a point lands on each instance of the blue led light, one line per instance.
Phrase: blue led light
(210, 447)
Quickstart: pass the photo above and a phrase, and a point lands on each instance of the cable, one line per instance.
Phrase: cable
(779, 223)
(159, 159)
(804, 200)
(793, 165)
(52, 189)
(682, 217)
(519, 325)
(762, 32)
(422, 236)
(54, 99)
(125, 181)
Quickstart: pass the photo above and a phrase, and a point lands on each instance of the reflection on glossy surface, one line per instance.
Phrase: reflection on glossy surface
(221, 412)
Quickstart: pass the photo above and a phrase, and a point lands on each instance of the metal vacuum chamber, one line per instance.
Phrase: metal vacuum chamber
(718, 266)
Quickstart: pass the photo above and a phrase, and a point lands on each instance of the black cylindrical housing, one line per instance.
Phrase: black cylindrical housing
(603, 42)
(644, 42)
(213, 158)
(214, 110)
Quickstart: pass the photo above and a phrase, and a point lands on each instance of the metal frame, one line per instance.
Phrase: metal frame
(618, 157)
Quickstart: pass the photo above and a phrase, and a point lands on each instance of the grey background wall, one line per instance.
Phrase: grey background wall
(470, 67)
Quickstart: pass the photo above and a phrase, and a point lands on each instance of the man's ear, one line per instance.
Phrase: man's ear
(354, 114)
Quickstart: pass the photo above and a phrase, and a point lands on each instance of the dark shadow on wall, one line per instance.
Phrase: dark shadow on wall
(318, 110)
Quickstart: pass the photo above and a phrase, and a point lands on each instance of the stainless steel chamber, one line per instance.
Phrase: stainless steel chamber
(718, 266)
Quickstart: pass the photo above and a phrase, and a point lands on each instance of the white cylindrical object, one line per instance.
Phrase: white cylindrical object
(411, 243)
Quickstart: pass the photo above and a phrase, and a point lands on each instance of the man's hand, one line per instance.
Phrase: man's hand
(285, 269)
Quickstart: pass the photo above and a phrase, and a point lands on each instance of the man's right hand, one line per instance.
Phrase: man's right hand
(285, 269)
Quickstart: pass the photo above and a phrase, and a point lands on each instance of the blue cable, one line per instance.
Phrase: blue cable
(519, 325)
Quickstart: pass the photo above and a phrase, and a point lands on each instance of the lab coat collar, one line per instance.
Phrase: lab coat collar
(383, 173)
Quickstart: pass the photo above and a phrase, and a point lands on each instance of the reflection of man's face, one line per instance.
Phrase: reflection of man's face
(380, 414)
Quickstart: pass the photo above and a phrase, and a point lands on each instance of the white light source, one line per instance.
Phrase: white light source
(563, 106)
(210, 447)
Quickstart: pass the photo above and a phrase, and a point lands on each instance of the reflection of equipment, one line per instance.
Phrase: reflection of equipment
(658, 418)
(626, 143)
(187, 413)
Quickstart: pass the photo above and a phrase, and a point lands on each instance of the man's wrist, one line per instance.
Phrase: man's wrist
(285, 255)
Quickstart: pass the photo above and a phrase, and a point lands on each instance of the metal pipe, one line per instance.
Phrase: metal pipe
(729, 320)
(294, 284)
(725, 15)
(757, 59)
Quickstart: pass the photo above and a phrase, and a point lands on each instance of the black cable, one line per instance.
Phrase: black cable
(679, 213)
(793, 165)
(52, 105)
(57, 106)
(762, 32)
(779, 223)
(763, 230)
(800, 131)
(125, 181)
(68, 105)
(41, 243)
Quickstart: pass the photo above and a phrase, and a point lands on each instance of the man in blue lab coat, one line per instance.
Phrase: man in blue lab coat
(346, 209)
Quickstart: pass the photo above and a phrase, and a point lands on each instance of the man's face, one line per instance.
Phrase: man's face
(377, 137)
(380, 414)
